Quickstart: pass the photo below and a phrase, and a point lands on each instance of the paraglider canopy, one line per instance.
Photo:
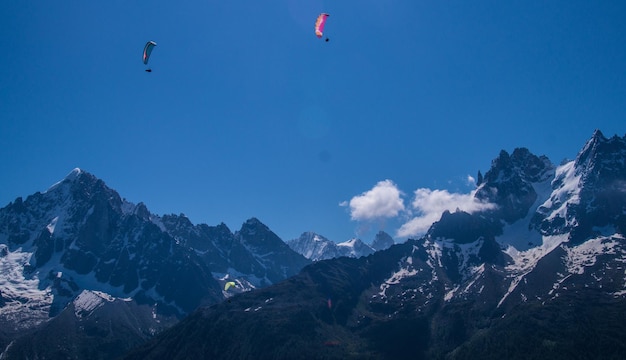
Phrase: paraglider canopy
(229, 285)
(147, 50)
(319, 25)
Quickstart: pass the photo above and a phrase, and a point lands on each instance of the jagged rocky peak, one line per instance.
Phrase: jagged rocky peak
(17, 206)
(221, 232)
(509, 182)
(256, 233)
(142, 211)
(174, 222)
(75, 176)
(464, 228)
(252, 226)
(311, 236)
(382, 241)
(80, 185)
(304, 237)
(313, 246)
(308, 238)
(590, 150)
(354, 248)
(592, 192)
(602, 155)
(521, 163)
(600, 164)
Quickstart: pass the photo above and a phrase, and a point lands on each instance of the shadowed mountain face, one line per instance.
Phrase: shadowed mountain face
(539, 275)
(94, 326)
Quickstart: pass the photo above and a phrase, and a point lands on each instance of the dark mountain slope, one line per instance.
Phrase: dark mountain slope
(586, 325)
(94, 326)
(307, 316)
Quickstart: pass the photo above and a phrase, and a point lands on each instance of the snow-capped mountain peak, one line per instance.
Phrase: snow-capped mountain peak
(354, 248)
(68, 179)
(316, 247)
(587, 191)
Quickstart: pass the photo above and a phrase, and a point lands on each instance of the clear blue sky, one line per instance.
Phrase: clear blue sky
(248, 114)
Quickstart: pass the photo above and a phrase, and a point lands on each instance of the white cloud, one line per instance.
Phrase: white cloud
(471, 181)
(418, 225)
(382, 201)
(385, 201)
(430, 204)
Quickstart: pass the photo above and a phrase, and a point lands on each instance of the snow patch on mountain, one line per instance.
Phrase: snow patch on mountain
(352, 248)
(585, 255)
(26, 303)
(477, 273)
(525, 261)
(465, 253)
(520, 235)
(88, 301)
(349, 243)
(405, 270)
(577, 258)
(52, 225)
(567, 192)
(521, 239)
(435, 252)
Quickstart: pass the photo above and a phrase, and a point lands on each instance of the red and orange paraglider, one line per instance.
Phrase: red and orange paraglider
(319, 25)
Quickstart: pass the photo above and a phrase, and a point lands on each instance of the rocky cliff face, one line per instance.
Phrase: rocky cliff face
(509, 183)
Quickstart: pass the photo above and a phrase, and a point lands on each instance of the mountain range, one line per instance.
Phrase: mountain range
(80, 239)
(540, 273)
(316, 247)
(142, 272)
